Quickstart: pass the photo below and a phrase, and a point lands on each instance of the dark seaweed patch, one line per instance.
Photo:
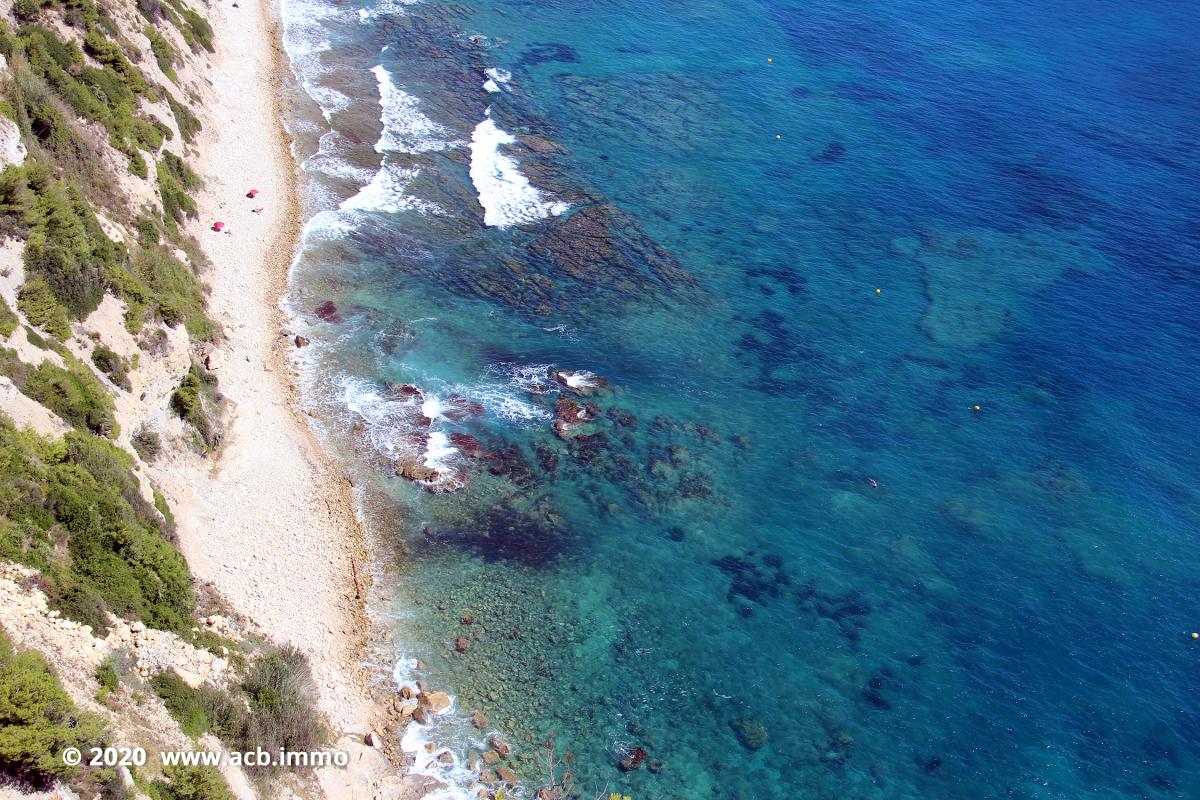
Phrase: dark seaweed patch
(772, 346)
(790, 280)
(754, 581)
(547, 52)
(833, 152)
(505, 533)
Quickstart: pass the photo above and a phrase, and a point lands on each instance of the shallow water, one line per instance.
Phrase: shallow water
(802, 243)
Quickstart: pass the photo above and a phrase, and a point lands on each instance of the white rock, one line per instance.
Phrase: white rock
(12, 149)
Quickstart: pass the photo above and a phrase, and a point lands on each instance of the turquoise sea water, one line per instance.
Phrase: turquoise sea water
(788, 557)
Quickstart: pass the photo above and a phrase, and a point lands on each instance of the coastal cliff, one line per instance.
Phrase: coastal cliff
(180, 565)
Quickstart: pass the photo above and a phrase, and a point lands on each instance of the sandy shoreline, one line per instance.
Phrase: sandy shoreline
(272, 522)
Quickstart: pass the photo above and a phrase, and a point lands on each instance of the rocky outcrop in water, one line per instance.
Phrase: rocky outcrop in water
(750, 733)
(328, 312)
(579, 382)
(603, 246)
(570, 416)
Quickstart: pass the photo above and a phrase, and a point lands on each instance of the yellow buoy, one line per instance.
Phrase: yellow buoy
(1195, 635)
(976, 408)
(779, 136)
(769, 59)
(878, 291)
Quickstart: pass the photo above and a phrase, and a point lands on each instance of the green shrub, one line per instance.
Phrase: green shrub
(183, 702)
(271, 708)
(65, 245)
(107, 95)
(107, 677)
(148, 445)
(164, 508)
(37, 340)
(203, 709)
(25, 10)
(86, 14)
(191, 783)
(112, 365)
(164, 54)
(147, 229)
(41, 308)
(188, 124)
(194, 401)
(195, 28)
(152, 10)
(177, 294)
(280, 689)
(137, 166)
(175, 181)
(149, 134)
(72, 508)
(8, 320)
(37, 719)
(72, 392)
(73, 258)
(110, 54)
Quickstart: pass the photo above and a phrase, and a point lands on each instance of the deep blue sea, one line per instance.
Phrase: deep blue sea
(790, 400)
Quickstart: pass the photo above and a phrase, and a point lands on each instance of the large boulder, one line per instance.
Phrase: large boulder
(436, 702)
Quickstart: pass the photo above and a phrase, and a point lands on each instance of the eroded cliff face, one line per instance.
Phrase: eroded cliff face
(104, 341)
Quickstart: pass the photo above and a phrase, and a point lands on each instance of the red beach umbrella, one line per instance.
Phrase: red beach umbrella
(218, 226)
(252, 193)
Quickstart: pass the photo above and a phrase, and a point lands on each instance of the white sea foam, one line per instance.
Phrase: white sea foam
(507, 196)
(422, 742)
(381, 416)
(529, 378)
(438, 451)
(392, 428)
(496, 78)
(507, 406)
(328, 161)
(579, 380)
(305, 38)
(386, 193)
(384, 9)
(326, 226)
(405, 128)
(431, 408)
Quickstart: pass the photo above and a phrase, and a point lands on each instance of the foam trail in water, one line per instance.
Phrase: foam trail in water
(305, 38)
(507, 196)
(328, 161)
(386, 193)
(405, 128)
(384, 9)
(496, 78)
